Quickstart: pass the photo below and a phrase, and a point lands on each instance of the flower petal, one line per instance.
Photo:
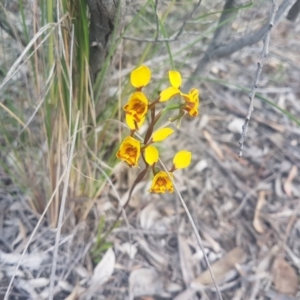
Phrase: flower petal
(162, 183)
(130, 151)
(161, 134)
(140, 76)
(137, 106)
(182, 159)
(151, 155)
(168, 93)
(132, 123)
(194, 93)
(175, 79)
(192, 102)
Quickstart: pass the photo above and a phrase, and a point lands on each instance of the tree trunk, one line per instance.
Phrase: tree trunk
(105, 14)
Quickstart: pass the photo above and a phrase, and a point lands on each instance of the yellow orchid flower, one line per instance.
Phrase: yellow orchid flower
(130, 151)
(140, 77)
(132, 123)
(162, 183)
(175, 79)
(174, 89)
(137, 106)
(151, 155)
(192, 102)
(182, 159)
(161, 134)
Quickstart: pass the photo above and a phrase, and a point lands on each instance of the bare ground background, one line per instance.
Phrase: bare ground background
(246, 209)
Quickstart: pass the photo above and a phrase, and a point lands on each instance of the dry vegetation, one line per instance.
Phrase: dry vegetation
(246, 209)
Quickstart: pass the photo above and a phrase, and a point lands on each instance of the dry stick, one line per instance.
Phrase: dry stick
(33, 234)
(195, 230)
(254, 87)
(62, 209)
(174, 37)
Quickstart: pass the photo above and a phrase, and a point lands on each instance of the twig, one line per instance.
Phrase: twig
(174, 37)
(195, 230)
(62, 209)
(254, 87)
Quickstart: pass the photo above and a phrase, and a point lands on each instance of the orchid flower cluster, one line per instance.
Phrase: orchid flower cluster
(137, 109)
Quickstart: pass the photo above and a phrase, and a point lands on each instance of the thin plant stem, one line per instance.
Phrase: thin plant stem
(195, 230)
(62, 209)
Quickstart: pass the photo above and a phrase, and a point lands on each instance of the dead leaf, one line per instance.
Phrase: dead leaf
(257, 222)
(149, 216)
(220, 268)
(21, 236)
(24, 285)
(215, 245)
(156, 258)
(285, 278)
(264, 264)
(185, 255)
(213, 144)
(287, 186)
(145, 282)
(31, 261)
(214, 70)
(277, 296)
(39, 282)
(201, 166)
(129, 249)
(76, 292)
(271, 124)
(155, 219)
(105, 268)
(186, 294)
(236, 125)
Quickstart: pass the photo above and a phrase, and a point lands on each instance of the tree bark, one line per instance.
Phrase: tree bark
(103, 20)
(294, 12)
